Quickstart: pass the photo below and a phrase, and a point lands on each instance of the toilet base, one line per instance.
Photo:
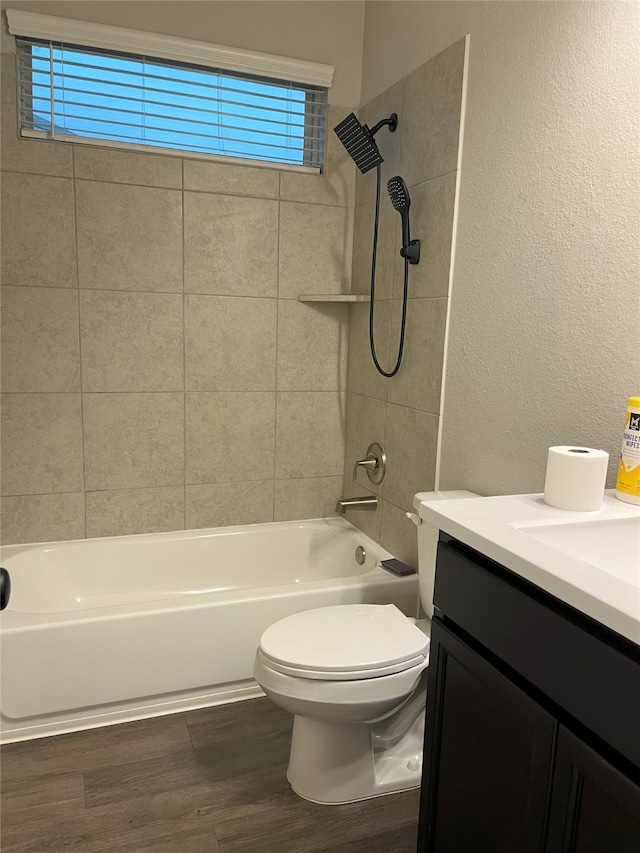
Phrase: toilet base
(333, 764)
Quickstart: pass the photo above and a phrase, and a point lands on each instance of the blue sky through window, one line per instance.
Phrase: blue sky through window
(138, 101)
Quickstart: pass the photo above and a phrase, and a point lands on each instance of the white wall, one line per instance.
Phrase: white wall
(328, 32)
(544, 344)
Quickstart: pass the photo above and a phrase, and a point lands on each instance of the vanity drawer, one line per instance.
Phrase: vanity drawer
(580, 667)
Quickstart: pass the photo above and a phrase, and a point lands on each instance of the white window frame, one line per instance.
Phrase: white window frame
(83, 33)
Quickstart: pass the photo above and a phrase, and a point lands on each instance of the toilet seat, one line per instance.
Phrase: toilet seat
(344, 643)
(351, 700)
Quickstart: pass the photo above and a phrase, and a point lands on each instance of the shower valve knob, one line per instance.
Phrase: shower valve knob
(374, 463)
(369, 464)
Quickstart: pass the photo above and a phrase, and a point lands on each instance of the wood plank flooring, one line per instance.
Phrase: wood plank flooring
(208, 781)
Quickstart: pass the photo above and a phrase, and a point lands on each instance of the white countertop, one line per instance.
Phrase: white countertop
(589, 560)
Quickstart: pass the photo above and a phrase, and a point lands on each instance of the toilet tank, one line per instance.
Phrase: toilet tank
(428, 544)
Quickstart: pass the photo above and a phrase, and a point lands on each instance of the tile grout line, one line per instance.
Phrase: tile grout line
(396, 241)
(275, 407)
(205, 391)
(77, 259)
(184, 363)
(211, 295)
(230, 194)
(168, 486)
(189, 293)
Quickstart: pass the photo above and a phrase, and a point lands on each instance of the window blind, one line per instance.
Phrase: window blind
(74, 93)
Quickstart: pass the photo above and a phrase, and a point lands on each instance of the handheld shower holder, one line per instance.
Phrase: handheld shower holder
(411, 251)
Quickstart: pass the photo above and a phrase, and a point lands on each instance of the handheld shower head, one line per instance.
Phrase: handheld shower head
(400, 199)
(359, 141)
(399, 194)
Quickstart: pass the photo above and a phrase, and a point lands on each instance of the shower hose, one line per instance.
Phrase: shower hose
(374, 255)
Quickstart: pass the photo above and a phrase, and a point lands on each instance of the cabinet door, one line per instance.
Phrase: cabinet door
(488, 755)
(595, 809)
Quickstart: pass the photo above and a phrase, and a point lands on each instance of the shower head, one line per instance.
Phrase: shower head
(399, 195)
(400, 199)
(359, 141)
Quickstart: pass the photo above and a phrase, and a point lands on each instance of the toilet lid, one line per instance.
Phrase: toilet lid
(344, 642)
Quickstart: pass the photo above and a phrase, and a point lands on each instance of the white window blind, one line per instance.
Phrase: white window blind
(87, 94)
(105, 85)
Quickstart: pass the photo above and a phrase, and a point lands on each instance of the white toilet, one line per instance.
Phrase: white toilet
(354, 676)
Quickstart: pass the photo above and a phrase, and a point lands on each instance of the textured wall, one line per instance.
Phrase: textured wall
(157, 369)
(403, 412)
(543, 338)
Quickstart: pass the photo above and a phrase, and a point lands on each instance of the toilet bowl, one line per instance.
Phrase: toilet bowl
(354, 676)
(340, 670)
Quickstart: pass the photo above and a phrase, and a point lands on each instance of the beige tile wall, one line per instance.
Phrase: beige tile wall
(158, 371)
(403, 412)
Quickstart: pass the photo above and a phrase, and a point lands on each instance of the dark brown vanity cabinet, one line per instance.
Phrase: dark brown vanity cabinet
(532, 740)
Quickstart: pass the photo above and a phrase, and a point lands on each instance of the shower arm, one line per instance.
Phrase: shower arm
(392, 122)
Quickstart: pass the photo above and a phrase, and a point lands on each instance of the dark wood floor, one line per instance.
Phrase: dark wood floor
(209, 781)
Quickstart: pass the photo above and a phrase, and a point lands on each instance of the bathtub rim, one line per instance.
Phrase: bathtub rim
(193, 533)
(13, 621)
(16, 620)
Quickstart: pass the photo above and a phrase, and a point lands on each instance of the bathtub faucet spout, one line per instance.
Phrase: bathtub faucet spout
(369, 502)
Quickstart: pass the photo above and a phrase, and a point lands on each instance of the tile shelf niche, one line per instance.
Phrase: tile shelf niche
(333, 297)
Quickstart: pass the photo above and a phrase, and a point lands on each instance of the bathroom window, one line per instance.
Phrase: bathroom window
(108, 97)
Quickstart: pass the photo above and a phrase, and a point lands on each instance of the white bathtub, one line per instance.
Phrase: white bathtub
(101, 631)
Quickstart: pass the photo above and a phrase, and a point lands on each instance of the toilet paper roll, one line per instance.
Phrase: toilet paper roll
(575, 477)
